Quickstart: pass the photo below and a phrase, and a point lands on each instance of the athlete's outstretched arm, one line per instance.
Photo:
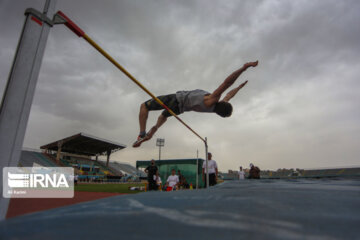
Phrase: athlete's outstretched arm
(233, 92)
(230, 80)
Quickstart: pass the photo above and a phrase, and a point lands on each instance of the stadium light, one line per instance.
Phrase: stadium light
(160, 142)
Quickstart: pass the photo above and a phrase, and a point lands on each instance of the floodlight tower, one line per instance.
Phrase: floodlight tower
(160, 142)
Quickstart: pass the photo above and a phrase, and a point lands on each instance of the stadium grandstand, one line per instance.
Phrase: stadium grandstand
(83, 144)
(82, 151)
(31, 158)
(127, 169)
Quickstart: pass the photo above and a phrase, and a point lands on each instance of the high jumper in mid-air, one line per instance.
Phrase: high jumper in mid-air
(196, 100)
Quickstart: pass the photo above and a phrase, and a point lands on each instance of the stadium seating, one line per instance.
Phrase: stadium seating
(87, 169)
(126, 168)
(90, 167)
(28, 158)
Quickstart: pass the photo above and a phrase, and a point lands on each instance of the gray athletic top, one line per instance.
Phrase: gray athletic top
(193, 101)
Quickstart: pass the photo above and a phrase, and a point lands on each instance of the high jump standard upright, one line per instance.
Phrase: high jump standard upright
(20, 87)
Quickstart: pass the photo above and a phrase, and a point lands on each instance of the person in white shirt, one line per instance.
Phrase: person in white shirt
(173, 180)
(213, 171)
(76, 178)
(241, 174)
(157, 179)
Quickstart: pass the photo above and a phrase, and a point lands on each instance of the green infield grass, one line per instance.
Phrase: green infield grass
(114, 188)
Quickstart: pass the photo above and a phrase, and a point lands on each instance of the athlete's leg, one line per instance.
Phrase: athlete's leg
(161, 120)
(146, 137)
(143, 116)
(151, 105)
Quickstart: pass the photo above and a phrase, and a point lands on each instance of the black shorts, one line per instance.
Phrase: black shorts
(169, 100)
(212, 179)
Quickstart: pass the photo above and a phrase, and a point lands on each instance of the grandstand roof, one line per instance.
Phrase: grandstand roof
(145, 163)
(85, 144)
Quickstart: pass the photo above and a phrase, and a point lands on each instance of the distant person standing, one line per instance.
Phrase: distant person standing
(151, 172)
(241, 174)
(213, 171)
(157, 179)
(76, 179)
(254, 172)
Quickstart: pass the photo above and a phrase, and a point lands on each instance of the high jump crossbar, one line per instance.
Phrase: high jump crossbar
(80, 33)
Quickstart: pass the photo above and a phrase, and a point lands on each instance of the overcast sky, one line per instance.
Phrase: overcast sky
(299, 109)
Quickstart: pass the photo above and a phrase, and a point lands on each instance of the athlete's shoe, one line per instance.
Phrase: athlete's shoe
(140, 140)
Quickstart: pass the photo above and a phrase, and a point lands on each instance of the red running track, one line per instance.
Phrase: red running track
(21, 206)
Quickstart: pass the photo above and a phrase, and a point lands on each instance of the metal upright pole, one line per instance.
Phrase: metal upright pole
(159, 153)
(159, 158)
(197, 169)
(160, 142)
(207, 167)
(20, 88)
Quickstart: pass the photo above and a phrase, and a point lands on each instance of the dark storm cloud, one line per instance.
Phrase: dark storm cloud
(300, 108)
